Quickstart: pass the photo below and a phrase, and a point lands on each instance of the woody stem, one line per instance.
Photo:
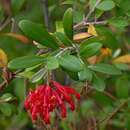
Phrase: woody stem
(48, 77)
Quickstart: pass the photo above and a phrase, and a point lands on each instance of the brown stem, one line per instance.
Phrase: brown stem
(82, 23)
(8, 20)
(111, 115)
(46, 13)
(12, 75)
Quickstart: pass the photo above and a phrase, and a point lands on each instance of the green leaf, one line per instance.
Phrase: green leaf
(25, 62)
(105, 68)
(38, 75)
(26, 74)
(121, 66)
(72, 75)
(119, 22)
(102, 99)
(71, 63)
(68, 23)
(38, 33)
(78, 16)
(98, 83)
(17, 5)
(85, 74)
(63, 38)
(7, 97)
(107, 37)
(122, 87)
(127, 126)
(92, 3)
(68, 2)
(106, 5)
(86, 106)
(52, 63)
(6, 109)
(59, 26)
(20, 89)
(124, 5)
(21, 119)
(88, 50)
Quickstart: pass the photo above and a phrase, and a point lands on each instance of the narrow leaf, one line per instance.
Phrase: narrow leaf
(38, 33)
(7, 97)
(3, 59)
(71, 63)
(122, 59)
(92, 30)
(98, 83)
(106, 5)
(38, 76)
(6, 109)
(122, 87)
(105, 68)
(68, 23)
(52, 63)
(81, 36)
(19, 37)
(88, 50)
(63, 38)
(85, 74)
(25, 62)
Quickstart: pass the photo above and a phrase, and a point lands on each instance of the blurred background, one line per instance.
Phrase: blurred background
(94, 105)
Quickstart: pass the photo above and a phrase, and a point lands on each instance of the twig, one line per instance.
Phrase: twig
(62, 51)
(10, 78)
(115, 112)
(111, 115)
(91, 11)
(8, 20)
(104, 92)
(109, 95)
(2, 85)
(12, 24)
(94, 23)
(46, 13)
(84, 21)
(43, 51)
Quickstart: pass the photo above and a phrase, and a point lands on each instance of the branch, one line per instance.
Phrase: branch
(111, 115)
(84, 21)
(109, 95)
(6, 22)
(46, 13)
(88, 23)
(13, 24)
(91, 11)
(8, 77)
(90, 89)
(2, 85)
(114, 112)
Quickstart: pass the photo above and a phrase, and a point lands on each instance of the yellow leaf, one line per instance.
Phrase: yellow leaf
(106, 51)
(96, 59)
(92, 60)
(81, 36)
(3, 59)
(92, 30)
(123, 59)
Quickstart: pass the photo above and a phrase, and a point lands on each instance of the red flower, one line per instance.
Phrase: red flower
(41, 102)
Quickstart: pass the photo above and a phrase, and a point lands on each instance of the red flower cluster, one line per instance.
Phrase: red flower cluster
(43, 101)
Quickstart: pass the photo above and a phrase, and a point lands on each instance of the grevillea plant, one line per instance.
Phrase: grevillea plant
(46, 98)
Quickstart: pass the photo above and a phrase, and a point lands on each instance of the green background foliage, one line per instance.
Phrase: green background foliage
(104, 85)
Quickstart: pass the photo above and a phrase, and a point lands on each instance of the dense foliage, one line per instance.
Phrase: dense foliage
(81, 46)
